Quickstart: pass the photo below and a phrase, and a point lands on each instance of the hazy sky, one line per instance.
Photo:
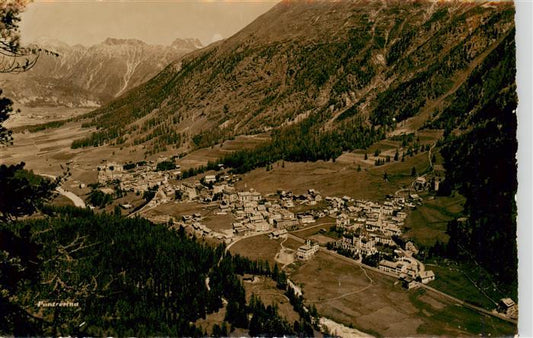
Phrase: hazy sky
(157, 22)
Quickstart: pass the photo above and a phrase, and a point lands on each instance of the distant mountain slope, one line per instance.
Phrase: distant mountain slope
(90, 76)
(376, 62)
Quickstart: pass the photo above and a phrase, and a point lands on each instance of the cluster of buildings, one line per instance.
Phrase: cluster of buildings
(253, 213)
(422, 183)
(216, 188)
(365, 225)
(140, 178)
(201, 230)
(368, 228)
(409, 269)
(144, 176)
(290, 200)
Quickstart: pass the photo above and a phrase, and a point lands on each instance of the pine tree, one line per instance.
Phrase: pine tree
(275, 273)
(224, 329)
(217, 332)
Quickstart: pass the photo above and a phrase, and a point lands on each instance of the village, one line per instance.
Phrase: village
(368, 232)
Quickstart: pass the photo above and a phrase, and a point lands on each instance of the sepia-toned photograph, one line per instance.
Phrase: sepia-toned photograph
(263, 168)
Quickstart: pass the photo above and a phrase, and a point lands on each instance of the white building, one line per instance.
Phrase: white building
(427, 276)
(281, 233)
(210, 179)
(306, 219)
(249, 196)
(307, 250)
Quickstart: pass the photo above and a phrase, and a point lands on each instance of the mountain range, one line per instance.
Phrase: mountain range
(371, 62)
(319, 78)
(325, 77)
(91, 76)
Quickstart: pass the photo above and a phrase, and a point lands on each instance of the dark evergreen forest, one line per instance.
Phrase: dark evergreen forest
(480, 163)
(129, 277)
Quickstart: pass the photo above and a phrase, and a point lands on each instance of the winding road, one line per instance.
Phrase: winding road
(78, 202)
(245, 237)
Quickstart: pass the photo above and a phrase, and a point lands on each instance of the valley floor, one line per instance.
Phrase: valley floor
(341, 289)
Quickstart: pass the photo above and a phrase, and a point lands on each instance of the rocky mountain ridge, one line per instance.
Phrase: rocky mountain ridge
(90, 76)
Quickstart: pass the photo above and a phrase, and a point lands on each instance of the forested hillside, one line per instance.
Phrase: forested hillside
(480, 160)
(325, 77)
(370, 61)
(127, 277)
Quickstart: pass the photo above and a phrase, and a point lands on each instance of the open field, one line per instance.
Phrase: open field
(429, 135)
(321, 239)
(40, 115)
(49, 152)
(212, 319)
(61, 201)
(348, 295)
(387, 147)
(258, 247)
(177, 210)
(428, 222)
(314, 228)
(218, 222)
(456, 320)
(200, 157)
(335, 178)
(292, 244)
(340, 290)
(465, 282)
(43, 151)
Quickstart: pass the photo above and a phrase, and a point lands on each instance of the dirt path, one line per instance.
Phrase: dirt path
(429, 288)
(245, 237)
(288, 251)
(283, 241)
(78, 202)
(344, 295)
(430, 160)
